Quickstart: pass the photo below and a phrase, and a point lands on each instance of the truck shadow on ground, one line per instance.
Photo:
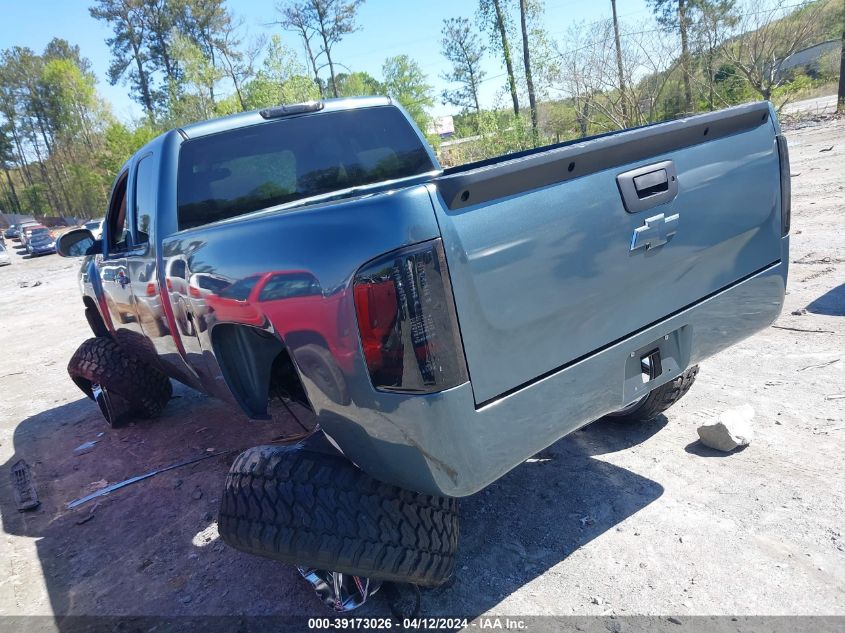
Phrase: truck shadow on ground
(152, 548)
(832, 303)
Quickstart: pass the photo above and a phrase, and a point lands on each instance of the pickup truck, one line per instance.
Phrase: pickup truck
(439, 326)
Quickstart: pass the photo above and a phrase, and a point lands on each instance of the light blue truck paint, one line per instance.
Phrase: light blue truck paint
(554, 307)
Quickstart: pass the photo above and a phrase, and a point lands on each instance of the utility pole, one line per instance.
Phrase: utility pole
(622, 93)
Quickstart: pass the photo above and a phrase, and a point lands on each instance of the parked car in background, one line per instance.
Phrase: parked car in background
(28, 231)
(5, 260)
(23, 226)
(41, 243)
(96, 228)
(13, 232)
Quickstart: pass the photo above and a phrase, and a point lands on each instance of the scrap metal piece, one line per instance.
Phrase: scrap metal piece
(341, 592)
(25, 496)
(104, 491)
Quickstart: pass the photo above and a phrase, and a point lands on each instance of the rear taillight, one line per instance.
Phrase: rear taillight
(194, 292)
(785, 185)
(151, 289)
(407, 320)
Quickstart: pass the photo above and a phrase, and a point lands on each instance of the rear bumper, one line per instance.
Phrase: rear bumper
(443, 444)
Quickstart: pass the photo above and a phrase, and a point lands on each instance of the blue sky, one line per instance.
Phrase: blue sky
(389, 27)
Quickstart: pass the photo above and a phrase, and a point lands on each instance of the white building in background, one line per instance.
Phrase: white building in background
(443, 126)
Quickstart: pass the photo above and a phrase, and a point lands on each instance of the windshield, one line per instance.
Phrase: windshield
(286, 286)
(239, 291)
(227, 174)
(41, 237)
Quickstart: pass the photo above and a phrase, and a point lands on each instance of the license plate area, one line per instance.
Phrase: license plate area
(656, 363)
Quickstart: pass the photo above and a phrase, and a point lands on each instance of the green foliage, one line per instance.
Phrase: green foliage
(498, 132)
(462, 47)
(358, 84)
(405, 81)
(119, 143)
(280, 80)
(191, 99)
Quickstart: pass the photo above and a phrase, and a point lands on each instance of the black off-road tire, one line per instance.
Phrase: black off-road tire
(101, 361)
(319, 510)
(658, 400)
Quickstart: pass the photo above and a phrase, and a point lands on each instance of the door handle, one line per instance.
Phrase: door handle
(648, 186)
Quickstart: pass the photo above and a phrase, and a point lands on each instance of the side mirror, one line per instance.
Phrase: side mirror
(78, 243)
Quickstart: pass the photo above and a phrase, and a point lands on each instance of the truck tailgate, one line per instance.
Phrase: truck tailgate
(560, 253)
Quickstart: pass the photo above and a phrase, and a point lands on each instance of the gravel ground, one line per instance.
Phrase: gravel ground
(611, 520)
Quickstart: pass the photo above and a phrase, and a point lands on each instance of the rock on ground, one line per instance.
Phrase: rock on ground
(731, 431)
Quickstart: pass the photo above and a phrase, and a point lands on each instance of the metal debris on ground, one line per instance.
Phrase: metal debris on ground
(25, 496)
(126, 482)
(85, 447)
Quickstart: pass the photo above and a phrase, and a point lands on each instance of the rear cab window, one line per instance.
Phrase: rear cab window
(243, 170)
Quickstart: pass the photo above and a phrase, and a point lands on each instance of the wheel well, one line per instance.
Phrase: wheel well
(256, 366)
(95, 320)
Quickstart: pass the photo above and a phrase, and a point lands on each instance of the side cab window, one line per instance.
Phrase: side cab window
(143, 208)
(118, 238)
(130, 213)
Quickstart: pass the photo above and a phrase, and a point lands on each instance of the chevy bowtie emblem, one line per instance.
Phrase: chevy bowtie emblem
(656, 232)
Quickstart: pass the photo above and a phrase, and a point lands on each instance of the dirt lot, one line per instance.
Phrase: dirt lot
(611, 520)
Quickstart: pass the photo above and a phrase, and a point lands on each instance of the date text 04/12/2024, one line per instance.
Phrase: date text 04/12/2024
(437, 624)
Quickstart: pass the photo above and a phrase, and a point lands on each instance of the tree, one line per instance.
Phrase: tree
(7, 154)
(358, 84)
(210, 27)
(295, 17)
(160, 17)
(324, 22)
(674, 15)
(128, 47)
(281, 79)
(493, 14)
(334, 19)
(461, 46)
(405, 81)
(238, 63)
(712, 28)
(526, 56)
(770, 34)
(193, 99)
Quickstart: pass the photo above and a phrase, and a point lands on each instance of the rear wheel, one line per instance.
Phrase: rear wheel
(658, 400)
(320, 511)
(121, 384)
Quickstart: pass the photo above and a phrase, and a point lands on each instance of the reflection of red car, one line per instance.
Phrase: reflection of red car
(294, 302)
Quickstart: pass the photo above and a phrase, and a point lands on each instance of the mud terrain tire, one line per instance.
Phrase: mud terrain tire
(101, 361)
(658, 400)
(319, 510)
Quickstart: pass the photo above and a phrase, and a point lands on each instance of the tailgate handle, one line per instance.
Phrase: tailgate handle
(651, 183)
(649, 186)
